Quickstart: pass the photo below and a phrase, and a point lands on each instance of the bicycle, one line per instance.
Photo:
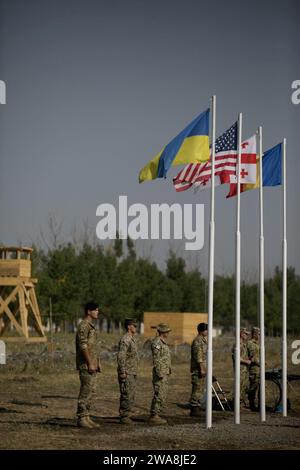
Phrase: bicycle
(274, 388)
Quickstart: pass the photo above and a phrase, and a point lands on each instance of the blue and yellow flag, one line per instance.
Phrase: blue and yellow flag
(190, 146)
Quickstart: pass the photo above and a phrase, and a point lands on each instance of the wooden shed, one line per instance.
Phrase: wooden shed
(182, 324)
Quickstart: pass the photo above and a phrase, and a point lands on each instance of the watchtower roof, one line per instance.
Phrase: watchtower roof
(24, 249)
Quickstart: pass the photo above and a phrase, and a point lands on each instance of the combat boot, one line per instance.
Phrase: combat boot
(95, 425)
(157, 420)
(126, 420)
(84, 423)
(244, 407)
(195, 411)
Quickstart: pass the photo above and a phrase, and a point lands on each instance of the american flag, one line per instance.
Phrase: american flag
(199, 174)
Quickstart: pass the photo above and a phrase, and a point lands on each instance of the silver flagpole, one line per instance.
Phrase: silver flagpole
(261, 284)
(211, 273)
(284, 287)
(238, 283)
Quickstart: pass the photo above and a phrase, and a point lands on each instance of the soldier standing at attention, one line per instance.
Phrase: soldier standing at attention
(244, 365)
(88, 364)
(254, 368)
(198, 367)
(127, 370)
(161, 370)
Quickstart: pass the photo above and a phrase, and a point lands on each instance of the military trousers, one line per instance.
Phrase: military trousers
(198, 385)
(244, 381)
(87, 392)
(160, 389)
(254, 381)
(127, 394)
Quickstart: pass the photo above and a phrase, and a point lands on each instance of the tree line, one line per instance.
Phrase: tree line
(126, 285)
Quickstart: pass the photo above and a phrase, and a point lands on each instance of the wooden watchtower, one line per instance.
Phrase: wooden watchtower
(18, 303)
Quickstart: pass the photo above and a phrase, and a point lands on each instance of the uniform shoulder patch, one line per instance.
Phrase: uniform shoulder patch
(126, 338)
(83, 327)
(156, 343)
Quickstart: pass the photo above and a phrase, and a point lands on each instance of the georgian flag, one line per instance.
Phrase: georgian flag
(248, 163)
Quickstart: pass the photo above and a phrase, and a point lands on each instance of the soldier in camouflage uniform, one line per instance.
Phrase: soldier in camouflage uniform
(254, 368)
(127, 370)
(198, 368)
(244, 365)
(161, 370)
(87, 363)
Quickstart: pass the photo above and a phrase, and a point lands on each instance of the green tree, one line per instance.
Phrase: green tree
(118, 246)
(130, 286)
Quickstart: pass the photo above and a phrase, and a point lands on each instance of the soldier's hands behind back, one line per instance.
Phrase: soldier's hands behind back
(92, 368)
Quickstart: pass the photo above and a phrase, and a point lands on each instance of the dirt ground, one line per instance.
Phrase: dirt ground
(38, 398)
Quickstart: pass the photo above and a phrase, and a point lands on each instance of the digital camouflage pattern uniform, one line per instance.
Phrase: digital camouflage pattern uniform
(127, 364)
(198, 356)
(86, 338)
(254, 370)
(244, 371)
(161, 370)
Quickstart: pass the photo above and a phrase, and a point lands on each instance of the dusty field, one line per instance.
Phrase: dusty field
(38, 400)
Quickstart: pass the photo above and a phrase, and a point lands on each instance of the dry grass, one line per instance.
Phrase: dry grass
(38, 397)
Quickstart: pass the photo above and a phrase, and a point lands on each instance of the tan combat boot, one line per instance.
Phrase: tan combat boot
(85, 423)
(95, 425)
(157, 420)
(126, 420)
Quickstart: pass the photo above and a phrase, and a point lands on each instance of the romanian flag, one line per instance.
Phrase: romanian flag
(190, 146)
(271, 170)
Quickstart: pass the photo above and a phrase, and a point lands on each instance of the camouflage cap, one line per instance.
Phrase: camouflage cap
(130, 321)
(244, 330)
(254, 329)
(163, 328)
